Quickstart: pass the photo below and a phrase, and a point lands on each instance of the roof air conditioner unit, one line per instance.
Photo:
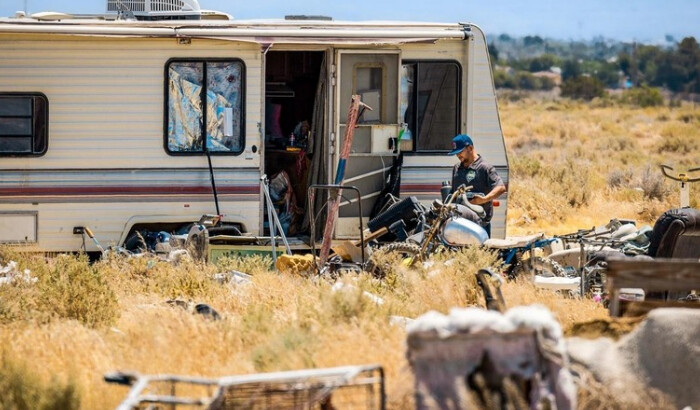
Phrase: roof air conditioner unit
(155, 9)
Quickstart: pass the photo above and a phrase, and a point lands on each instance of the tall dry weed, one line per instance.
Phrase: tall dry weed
(653, 184)
(21, 389)
(67, 287)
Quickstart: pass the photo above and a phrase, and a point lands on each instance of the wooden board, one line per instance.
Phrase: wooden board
(655, 275)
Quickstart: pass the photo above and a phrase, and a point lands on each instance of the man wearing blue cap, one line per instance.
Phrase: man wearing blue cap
(473, 170)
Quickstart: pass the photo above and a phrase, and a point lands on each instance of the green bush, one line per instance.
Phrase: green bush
(66, 287)
(74, 289)
(643, 97)
(582, 88)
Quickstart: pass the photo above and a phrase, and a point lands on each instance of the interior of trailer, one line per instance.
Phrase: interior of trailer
(295, 98)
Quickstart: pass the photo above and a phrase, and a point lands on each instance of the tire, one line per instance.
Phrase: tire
(538, 265)
(136, 243)
(380, 262)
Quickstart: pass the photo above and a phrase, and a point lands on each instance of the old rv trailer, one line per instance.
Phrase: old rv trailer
(148, 118)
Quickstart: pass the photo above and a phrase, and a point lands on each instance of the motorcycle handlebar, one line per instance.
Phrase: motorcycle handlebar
(682, 177)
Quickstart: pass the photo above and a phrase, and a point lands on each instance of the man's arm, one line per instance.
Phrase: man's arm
(496, 192)
(498, 188)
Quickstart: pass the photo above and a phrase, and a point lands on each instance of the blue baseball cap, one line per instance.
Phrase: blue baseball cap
(459, 142)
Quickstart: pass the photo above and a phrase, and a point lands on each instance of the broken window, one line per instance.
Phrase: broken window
(216, 85)
(430, 103)
(23, 124)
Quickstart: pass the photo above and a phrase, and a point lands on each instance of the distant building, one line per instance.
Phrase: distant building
(554, 76)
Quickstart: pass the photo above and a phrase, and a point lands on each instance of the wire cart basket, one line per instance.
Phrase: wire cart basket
(348, 387)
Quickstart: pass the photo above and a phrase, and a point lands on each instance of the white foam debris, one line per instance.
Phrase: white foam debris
(557, 283)
(340, 286)
(430, 321)
(401, 321)
(539, 318)
(10, 274)
(475, 319)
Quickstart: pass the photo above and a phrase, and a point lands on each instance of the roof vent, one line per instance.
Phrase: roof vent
(155, 9)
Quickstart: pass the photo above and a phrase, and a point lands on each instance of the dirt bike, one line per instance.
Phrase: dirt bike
(445, 227)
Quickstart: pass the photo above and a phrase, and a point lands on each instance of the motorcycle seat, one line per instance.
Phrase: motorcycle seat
(513, 241)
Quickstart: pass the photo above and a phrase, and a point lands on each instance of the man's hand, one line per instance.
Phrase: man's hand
(495, 193)
(478, 200)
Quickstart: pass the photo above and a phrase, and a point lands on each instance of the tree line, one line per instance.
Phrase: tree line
(588, 69)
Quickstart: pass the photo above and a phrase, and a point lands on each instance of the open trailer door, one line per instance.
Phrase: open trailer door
(374, 75)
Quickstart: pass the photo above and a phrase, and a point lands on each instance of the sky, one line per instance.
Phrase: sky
(626, 20)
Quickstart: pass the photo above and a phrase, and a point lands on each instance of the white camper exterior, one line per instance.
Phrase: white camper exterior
(90, 112)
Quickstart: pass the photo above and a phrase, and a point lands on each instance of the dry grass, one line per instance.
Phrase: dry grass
(277, 322)
(573, 166)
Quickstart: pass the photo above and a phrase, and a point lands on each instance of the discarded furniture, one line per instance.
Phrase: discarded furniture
(653, 276)
(348, 387)
(676, 234)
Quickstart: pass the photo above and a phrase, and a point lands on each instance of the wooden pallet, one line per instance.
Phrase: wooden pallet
(659, 275)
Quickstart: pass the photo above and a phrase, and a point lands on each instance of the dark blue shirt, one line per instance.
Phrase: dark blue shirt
(481, 176)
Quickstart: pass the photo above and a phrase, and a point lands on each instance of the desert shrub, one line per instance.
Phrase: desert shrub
(291, 342)
(525, 166)
(617, 143)
(250, 264)
(570, 181)
(643, 97)
(582, 88)
(675, 102)
(662, 117)
(21, 389)
(66, 287)
(678, 144)
(679, 138)
(72, 288)
(689, 117)
(346, 304)
(653, 184)
(501, 79)
(148, 274)
(618, 178)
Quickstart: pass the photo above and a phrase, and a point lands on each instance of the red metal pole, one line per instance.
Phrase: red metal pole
(334, 201)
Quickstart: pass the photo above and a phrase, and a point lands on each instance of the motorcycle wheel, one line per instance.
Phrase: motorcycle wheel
(380, 263)
(538, 265)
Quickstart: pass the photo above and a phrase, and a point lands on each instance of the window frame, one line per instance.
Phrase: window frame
(166, 105)
(416, 96)
(35, 122)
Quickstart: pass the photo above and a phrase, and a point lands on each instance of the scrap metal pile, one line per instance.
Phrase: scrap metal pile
(574, 262)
